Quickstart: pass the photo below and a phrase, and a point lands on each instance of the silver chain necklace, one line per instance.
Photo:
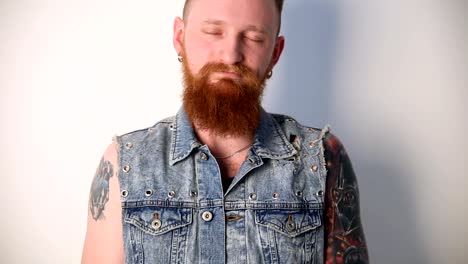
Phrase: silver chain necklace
(233, 154)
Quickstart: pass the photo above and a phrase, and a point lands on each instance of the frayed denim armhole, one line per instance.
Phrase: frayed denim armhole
(118, 141)
(321, 138)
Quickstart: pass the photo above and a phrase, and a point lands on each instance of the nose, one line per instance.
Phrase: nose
(231, 50)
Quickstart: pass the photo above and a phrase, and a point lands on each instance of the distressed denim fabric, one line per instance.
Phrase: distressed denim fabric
(175, 211)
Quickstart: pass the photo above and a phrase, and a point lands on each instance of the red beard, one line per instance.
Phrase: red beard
(227, 107)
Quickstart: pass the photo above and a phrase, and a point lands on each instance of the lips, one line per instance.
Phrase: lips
(225, 75)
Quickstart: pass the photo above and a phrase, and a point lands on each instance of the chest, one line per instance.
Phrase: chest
(271, 213)
(229, 169)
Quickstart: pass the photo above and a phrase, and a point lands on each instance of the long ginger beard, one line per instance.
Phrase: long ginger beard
(224, 107)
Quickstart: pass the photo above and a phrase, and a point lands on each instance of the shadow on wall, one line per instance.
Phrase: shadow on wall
(306, 65)
(304, 90)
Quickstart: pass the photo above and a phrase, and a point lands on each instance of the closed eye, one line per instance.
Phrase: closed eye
(212, 31)
(254, 38)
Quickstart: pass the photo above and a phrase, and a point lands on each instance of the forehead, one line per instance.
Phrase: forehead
(234, 13)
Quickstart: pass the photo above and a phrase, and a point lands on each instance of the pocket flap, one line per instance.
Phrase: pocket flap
(289, 222)
(158, 220)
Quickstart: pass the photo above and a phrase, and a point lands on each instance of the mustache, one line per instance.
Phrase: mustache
(240, 69)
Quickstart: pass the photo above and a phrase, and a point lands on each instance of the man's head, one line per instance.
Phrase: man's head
(232, 35)
(230, 32)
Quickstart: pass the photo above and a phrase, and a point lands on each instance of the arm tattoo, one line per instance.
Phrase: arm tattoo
(99, 194)
(345, 241)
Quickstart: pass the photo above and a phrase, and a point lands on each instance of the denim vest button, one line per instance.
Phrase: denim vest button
(253, 196)
(299, 193)
(319, 193)
(156, 224)
(124, 193)
(207, 216)
(275, 195)
(128, 145)
(193, 193)
(290, 226)
(203, 156)
(171, 194)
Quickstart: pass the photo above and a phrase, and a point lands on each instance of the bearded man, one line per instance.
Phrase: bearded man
(224, 181)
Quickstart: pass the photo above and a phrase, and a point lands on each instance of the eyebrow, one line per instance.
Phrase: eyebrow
(249, 27)
(257, 29)
(212, 22)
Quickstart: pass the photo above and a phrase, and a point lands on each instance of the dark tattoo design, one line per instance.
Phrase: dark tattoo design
(99, 194)
(345, 242)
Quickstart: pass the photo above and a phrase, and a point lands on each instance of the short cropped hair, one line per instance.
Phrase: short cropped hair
(279, 7)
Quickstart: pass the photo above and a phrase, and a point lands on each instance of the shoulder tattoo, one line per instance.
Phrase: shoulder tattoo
(99, 194)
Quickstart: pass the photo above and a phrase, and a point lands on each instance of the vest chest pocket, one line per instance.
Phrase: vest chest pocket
(288, 236)
(156, 234)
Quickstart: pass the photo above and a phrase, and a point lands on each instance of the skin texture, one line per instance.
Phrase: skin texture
(344, 236)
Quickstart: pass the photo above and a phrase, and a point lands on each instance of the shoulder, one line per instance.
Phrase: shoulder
(160, 129)
(333, 144)
(333, 148)
(290, 126)
(160, 125)
(336, 156)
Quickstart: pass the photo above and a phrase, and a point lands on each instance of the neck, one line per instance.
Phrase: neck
(223, 145)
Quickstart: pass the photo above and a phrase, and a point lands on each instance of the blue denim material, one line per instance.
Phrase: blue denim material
(272, 212)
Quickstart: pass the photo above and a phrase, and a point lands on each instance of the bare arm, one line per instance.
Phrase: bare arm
(345, 241)
(104, 239)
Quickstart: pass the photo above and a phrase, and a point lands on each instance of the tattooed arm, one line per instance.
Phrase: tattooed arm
(345, 242)
(104, 239)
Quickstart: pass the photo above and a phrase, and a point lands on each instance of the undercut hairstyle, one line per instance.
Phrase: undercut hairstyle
(278, 3)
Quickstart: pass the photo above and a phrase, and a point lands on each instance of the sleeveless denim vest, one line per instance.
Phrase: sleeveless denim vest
(174, 209)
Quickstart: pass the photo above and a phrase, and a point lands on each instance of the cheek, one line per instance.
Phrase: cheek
(197, 55)
(259, 60)
(259, 65)
(197, 51)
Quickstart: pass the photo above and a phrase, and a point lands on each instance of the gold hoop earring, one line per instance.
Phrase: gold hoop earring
(180, 58)
(269, 74)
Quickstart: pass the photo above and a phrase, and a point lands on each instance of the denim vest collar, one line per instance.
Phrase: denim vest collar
(269, 141)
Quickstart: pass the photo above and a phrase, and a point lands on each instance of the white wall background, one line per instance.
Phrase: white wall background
(390, 77)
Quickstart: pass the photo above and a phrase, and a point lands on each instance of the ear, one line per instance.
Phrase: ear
(279, 46)
(178, 35)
